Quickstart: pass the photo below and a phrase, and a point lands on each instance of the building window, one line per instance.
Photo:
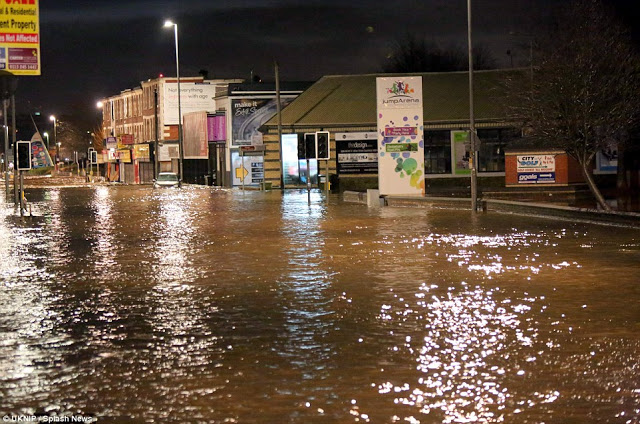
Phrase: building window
(437, 152)
(492, 144)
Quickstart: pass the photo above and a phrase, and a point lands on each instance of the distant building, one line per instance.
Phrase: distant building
(134, 119)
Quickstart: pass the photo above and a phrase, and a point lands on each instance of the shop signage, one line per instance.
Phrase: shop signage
(141, 152)
(400, 136)
(536, 169)
(357, 156)
(20, 38)
(124, 155)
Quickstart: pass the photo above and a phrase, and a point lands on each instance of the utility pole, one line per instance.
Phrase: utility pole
(472, 131)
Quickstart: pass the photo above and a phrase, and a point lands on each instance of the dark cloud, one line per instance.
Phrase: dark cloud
(92, 49)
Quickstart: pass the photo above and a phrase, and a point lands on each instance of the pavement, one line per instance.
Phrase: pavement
(59, 179)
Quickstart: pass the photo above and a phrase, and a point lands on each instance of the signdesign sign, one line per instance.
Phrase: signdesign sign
(20, 37)
(536, 169)
(357, 156)
(400, 136)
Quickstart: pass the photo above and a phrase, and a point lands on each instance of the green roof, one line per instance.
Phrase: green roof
(348, 100)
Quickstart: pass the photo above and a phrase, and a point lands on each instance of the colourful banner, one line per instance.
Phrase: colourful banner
(20, 37)
(217, 128)
(400, 136)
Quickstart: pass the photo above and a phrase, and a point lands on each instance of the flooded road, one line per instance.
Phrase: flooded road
(211, 306)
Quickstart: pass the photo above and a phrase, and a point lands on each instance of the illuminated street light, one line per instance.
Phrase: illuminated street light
(55, 130)
(168, 24)
(46, 135)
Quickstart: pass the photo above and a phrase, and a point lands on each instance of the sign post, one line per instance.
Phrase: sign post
(20, 38)
(23, 163)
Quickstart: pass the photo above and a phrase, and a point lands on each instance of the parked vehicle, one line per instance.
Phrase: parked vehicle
(166, 179)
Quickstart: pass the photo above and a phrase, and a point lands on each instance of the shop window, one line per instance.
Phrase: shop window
(437, 152)
(493, 143)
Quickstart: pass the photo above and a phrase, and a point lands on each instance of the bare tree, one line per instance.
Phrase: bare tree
(413, 54)
(581, 98)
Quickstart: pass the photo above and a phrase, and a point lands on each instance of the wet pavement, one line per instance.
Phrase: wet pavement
(205, 305)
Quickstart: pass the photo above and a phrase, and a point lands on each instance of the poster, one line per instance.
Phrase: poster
(194, 97)
(247, 115)
(461, 152)
(536, 169)
(20, 37)
(357, 153)
(400, 136)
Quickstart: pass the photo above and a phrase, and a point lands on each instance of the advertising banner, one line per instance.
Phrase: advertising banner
(195, 136)
(536, 169)
(461, 152)
(194, 97)
(217, 128)
(20, 37)
(400, 136)
(40, 157)
(248, 115)
(357, 153)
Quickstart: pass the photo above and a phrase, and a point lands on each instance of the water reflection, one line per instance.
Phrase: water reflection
(209, 305)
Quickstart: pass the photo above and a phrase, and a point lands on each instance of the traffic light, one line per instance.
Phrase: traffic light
(24, 155)
(322, 145)
(301, 148)
(94, 157)
(310, 145)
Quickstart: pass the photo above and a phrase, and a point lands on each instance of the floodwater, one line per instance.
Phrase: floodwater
(202, 305)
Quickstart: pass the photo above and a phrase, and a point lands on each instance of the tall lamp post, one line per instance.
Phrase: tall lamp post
(55, 137)
(46, 135)
(472, 124)
(169, 24)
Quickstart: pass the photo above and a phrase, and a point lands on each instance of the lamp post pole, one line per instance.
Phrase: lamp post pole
(472, 131)
(55, 138)
(180, 147)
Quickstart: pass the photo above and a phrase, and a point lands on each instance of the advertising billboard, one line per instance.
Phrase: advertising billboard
(20, 38)
(536, 169)
(357, 153)
(248, 115)
(194, 97)
(217, 127)
(194, 141)
(400, 136)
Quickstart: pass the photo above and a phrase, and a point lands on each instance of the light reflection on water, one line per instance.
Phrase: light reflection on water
(204, 305)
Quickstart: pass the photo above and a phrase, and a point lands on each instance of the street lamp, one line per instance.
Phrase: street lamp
(55, 137)
(46, 135)
(55, 130)
(472, 130)
(168, 24)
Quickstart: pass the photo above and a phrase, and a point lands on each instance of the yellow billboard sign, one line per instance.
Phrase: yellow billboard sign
(20, 37)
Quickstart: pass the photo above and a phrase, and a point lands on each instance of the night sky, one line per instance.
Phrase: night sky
(93, 49)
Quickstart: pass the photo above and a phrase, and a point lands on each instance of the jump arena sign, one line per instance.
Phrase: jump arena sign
(400, 136)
